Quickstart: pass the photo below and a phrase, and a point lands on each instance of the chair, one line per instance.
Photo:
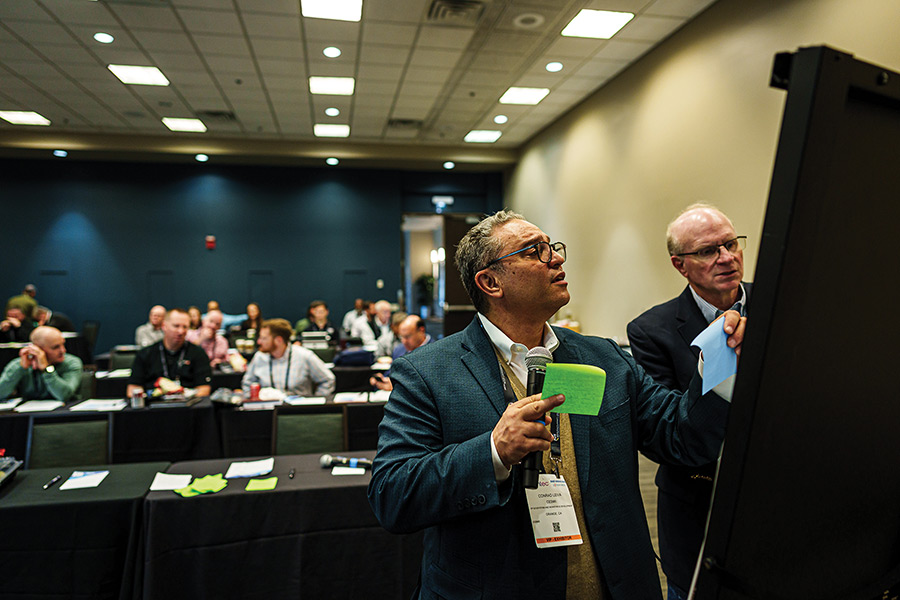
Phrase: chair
(90, 330)
(88, 383)
(326, 354)
(307, 429)
(362, 421)
(121, 359)
(67, 443)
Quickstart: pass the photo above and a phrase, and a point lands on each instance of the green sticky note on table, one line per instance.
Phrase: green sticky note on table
(582, 385)
(203, 485)
(258, 485)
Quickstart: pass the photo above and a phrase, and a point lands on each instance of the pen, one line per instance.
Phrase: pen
(291, 474)
(52, 481)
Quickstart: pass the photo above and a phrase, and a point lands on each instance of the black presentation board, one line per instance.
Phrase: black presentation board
(807, 498)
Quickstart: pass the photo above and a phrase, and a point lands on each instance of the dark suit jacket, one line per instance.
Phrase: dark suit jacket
(434, 471)
(661, 343)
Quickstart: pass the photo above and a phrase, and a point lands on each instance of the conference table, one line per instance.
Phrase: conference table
(80, 543)
(312, 536)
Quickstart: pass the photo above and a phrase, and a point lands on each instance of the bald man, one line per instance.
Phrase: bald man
(43, 370)
(151, 332)
(209, 339)
(704, 247)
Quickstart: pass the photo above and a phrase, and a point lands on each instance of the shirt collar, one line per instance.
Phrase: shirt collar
(512, 352)
(710, 312)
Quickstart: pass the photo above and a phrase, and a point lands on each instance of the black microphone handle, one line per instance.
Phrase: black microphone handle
(531, 463)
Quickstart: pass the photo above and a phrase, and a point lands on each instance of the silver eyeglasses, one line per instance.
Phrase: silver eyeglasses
(712, 252)
(543, 251)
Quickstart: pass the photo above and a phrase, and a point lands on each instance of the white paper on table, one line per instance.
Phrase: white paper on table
(343, 397)
(379, 366)
(10, 404)
(337, 470)
(250, 468)
(100, 405)
(303, 401)
(84, 479)
(119, 373)
(379, 396)
(170, 481)
(39, 406)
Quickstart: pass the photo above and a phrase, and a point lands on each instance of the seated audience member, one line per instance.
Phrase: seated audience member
(43, 370)
(389, 341)
(228, 321)
(151, 332)
(376, 323)
(16, 327)
(412, 335)
(196, 319)
(354, 313)
(317, 316)
(51, 318)
(173, 357)
(209, 339)
(24, 301)
(279, 364)
(254, 318)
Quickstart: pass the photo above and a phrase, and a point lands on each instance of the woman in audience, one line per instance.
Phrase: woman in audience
(254, 318)
(196, 320)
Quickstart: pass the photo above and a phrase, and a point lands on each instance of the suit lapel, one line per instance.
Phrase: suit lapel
(568, 352)
(480, 360)
(690, 319)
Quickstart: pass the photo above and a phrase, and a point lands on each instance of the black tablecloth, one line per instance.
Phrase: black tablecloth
(313, 536)
(73, 543)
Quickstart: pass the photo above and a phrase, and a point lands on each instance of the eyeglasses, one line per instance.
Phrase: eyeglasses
(542, 250)
(712, 252)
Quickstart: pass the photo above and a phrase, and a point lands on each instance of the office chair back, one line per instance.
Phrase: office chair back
(90, 330)
(305, 433)
(119, 359)
(68, 443)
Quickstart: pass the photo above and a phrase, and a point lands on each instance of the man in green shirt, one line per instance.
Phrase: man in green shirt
(25, 301)
(43, 370)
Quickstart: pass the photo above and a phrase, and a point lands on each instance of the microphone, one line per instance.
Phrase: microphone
(536, 361)
(328, 460)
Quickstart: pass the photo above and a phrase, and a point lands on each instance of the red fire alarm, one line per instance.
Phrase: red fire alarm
(210, 242)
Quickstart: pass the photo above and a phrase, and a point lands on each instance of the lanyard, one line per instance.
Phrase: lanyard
(165, 362)
(287, 372)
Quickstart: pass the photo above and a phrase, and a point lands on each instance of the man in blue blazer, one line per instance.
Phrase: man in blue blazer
(453, 430)
(705, 249)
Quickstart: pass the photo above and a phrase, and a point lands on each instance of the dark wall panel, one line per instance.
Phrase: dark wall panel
(128, 235)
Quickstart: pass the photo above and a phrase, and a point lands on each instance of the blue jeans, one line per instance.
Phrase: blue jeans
(676, 593)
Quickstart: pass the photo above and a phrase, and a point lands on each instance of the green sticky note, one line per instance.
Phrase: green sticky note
(582, 385)
(210, 483)
(256, 485)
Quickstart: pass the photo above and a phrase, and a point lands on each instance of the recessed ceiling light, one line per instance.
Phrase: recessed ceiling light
(60, 153)
(332, 52)
(449, 165)
(338, 86)
(201, 157)
(332, 111)
(23, 117)
(331, 162)
(599, 24)
(104, 38)
(331, 130)
(501, 119)
(339, 10)
(134, 75)
(523, 95)
(482, 136)
(178, 124)
(554, 67)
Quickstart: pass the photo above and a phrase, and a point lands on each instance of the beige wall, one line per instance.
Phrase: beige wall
(694, 120)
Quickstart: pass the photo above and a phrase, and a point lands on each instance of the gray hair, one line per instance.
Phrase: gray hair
(676, 246)
(476, 249)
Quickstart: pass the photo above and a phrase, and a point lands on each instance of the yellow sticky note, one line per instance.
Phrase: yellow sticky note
(258, 485)
(582, 385)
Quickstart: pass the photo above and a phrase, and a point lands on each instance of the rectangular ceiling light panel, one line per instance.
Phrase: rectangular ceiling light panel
(331, 130)
(482, 136)
(23, 117)
(338, 10)
(193, 125)
(136, 75)
(336, 86)
(599, 24)
(523, 95)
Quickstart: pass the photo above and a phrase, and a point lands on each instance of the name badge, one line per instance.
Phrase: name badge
(553, 513)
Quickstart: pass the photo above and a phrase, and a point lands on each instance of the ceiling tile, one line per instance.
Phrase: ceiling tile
(428, 75)
(398, 11)
(224, 22)
(272, 26)
(388, 33)
(650, 28)
(225, 45)
(168, 62)
(574, 47)
(278, 49)
(328, 68)
(623, 50)
(68, 55)
(385, 55)
(142, 16)
(430, 58)
(331, 32)
(230, 64)
(677, 8)
(37, 33)
(368, 72)
(280, 7)
(453, 38)
(167, 41)
(282, 68)
(29, 11)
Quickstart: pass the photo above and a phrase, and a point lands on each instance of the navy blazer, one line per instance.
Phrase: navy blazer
(433, 469)
(660, 341)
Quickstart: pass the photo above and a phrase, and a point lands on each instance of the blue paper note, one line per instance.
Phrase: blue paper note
(719, 361)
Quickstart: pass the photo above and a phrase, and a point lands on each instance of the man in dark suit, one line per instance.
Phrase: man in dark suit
(704, 247)
(459, 419)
